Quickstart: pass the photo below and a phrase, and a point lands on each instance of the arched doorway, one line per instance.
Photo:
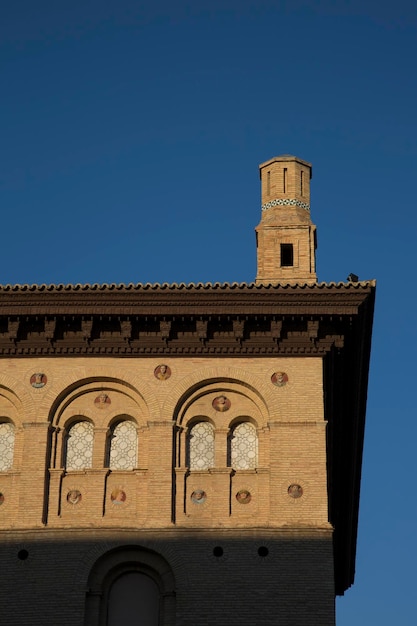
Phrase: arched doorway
(133, 600)
(130, 586)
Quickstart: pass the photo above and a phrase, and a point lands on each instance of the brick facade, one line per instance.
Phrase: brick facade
(128, 457)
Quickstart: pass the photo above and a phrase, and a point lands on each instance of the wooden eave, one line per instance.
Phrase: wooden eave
(181, 299)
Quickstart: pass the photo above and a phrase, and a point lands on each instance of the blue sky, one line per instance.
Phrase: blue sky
(131, 134)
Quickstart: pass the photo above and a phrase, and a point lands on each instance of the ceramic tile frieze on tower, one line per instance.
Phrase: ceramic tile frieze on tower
(286, 237)
(189, 454)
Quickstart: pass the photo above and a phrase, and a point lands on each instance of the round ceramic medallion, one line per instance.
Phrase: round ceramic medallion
(118, 496)
(243, 496)
(279, 379)
(295, 491)
(102, 401)
(162, 372)
(38, 380)
(221, 403)
(198, 496)
(74, 496)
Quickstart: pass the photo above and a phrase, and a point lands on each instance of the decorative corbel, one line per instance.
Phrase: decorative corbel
(86, 328)
(50, 326)
(276, 329)
(164, 330)
(313, 329)
(201, 326)
(126, 329)
(238, 329)
(12, 330)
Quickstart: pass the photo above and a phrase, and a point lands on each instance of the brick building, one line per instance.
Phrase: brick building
(186, 454)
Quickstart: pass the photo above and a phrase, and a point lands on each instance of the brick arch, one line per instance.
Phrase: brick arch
(63, 414)
(196, 419)
(96, 554)
(53, 399)
(116, 417)
(126, 558)
(11, 412)
(16, 392)
(241, 419)
(20, 404)
(218, 374)
(75, 417)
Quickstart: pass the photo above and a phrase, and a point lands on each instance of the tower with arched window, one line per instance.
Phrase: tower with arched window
(186, 454)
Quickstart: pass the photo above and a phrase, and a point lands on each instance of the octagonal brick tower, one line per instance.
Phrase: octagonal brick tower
(286, 236)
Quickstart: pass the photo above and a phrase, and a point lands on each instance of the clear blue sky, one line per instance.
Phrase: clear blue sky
(131, 134)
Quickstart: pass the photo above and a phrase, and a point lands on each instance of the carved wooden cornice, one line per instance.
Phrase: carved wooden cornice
(233, 320)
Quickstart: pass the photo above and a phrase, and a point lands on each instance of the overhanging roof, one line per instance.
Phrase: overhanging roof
(329, 320)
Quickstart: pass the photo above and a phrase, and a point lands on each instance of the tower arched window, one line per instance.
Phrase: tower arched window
(123, 448)
(200, 446)
(79, 448)
(243, 446)
(7, 435)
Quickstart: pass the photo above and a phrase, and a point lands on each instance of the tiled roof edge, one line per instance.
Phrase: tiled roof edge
(182, 286)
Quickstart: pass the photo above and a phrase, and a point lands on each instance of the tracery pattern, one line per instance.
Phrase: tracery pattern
(80, 446)
(123, 446)
(201, 446)
(244, 446)
(6, 446)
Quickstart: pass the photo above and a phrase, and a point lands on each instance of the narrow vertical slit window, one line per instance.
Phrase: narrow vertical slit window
(268, 183)
(302, 183)
(285, 180)
(287, 255)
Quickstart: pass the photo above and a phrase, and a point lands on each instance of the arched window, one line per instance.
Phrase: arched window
(200, 446)
(243, 447)
(6, 446)
(123, 450)
(133, 600)
(79, 449)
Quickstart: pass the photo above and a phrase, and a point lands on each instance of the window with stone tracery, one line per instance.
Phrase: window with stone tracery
(6, 445)
(200, 446)
(123, 446)
(79, 452)
(243, 447)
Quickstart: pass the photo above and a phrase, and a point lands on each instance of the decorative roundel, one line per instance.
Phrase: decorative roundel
(118, 496)
(295, 491)
(279, 379)
(38, 380)
(198, 496)
(243, 496)
(102, 401)
(74, 496)
(162, 372)
(221, 403)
